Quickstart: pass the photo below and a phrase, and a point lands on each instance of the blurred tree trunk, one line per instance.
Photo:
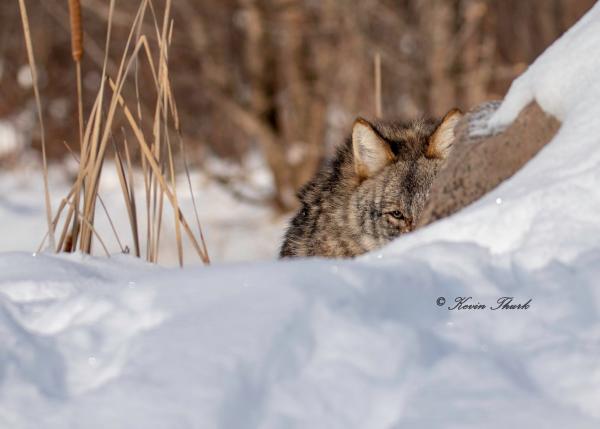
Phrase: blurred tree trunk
(437, 22)
(293, 93)
(475, 51)
(289, 76)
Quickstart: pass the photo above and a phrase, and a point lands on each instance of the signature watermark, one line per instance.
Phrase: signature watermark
(467, 303)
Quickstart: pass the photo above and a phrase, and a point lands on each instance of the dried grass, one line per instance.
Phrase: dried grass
(78, 208)
(38, 102)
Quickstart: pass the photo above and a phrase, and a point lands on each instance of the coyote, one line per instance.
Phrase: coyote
(373, 190)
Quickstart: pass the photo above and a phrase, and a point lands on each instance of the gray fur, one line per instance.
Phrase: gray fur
(343, 214)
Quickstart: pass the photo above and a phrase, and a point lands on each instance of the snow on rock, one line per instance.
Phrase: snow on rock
(548, 210)
(95, 343)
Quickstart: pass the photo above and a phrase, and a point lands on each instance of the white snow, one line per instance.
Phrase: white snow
(234, 229)
(10, 139)
(94, 343)
(24, 77)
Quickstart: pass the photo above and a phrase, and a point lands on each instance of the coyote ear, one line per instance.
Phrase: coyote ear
(441, 141)
(371, 152)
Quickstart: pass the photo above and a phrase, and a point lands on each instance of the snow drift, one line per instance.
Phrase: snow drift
(95, 343)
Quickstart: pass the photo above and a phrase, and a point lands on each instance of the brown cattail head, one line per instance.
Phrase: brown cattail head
(76, 30)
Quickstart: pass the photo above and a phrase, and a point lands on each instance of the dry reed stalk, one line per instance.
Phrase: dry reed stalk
(134, 227)
(91, 226)
(77, 53)
(157, 187)
(104, 208)
(189, 183)
(38, 102)
(147, 152)
(100, 139)
(84, 155)
(169, 103)
(165, 90)
(61, 206)
(88, 148)
(99, 142)
(127, 189)
(157, 155)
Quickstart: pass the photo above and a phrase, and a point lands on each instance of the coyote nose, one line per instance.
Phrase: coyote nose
(408, 224)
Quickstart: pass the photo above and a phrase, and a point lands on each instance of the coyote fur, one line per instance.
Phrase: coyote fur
(373, 190)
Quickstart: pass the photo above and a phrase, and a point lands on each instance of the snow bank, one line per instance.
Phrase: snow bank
(95, 343)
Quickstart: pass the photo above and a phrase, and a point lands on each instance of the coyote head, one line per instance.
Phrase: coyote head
(373, 190)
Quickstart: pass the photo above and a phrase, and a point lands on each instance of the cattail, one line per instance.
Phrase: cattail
(76, 30)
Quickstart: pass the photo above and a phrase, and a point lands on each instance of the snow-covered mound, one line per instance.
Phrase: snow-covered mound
(369, 343)
(93, 343)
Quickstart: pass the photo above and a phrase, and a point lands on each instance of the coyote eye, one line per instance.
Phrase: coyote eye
(397, 214)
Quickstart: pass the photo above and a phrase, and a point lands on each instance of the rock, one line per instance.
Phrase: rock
(479, 163)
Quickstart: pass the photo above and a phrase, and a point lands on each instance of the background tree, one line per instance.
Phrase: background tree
(287, 77)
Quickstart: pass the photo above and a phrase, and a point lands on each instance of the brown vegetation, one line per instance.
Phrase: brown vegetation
(288, 76)
(151, 140)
